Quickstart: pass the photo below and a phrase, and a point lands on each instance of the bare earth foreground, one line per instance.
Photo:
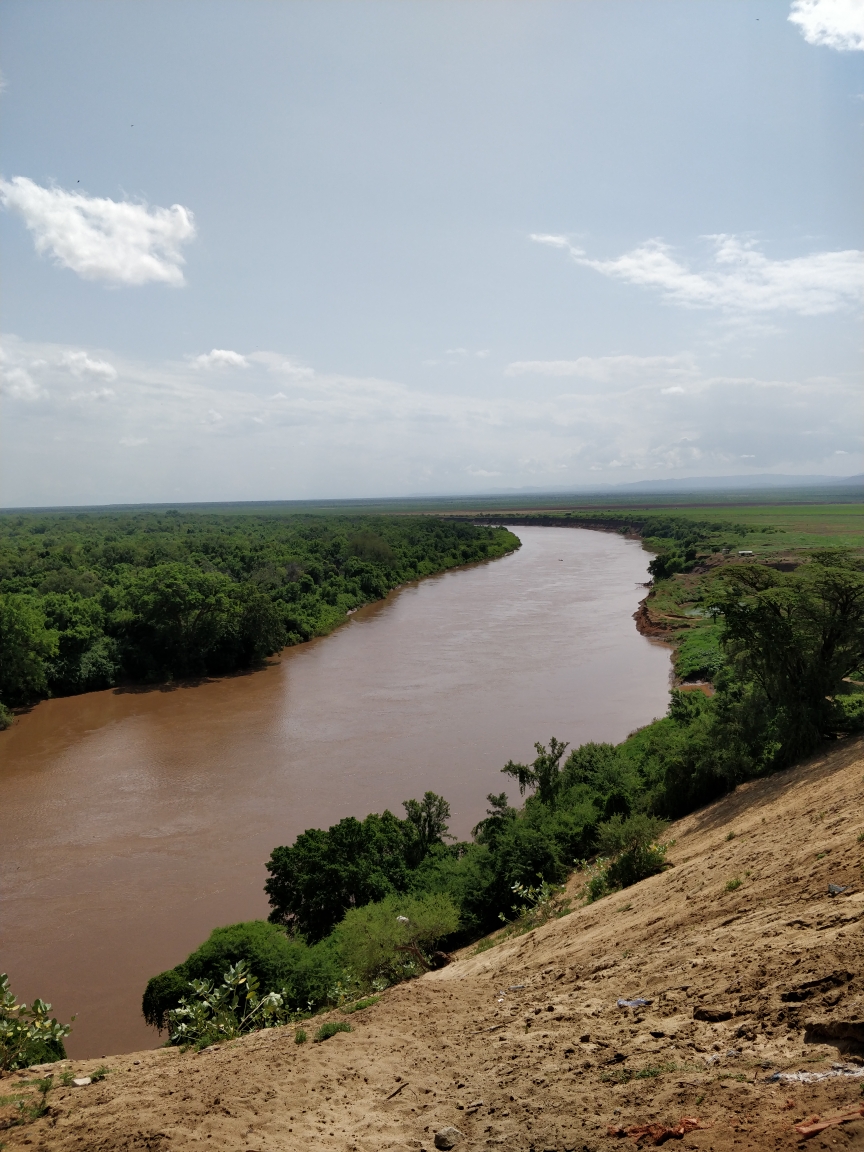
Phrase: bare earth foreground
(523, 1046)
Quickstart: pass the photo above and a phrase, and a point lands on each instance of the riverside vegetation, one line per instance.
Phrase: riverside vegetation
(95, 599)
(89, 600)
(362, 904)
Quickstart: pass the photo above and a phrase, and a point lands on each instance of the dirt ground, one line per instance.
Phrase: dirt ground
(523, 1046)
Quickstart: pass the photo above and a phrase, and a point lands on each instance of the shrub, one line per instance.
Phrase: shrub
(330, 1029)
(539, 905)
(305, 973)
(359, 1005)
(633, 846)
(28, 1035)
(387, 939)
(630, 853)
(210, 1013)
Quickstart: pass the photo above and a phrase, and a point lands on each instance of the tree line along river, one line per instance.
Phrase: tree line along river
(134, 822)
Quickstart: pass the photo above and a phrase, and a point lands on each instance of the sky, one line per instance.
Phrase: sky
(300, 249)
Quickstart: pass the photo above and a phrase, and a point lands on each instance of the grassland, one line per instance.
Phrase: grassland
(795, 527)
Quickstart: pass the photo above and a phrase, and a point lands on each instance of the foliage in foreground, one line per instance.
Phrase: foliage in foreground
(210, 1012)
(28, 1034)
(304, 975)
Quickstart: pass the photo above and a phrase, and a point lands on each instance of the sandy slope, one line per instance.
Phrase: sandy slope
(553, 1062)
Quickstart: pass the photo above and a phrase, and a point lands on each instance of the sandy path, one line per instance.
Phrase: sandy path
(555, 1063)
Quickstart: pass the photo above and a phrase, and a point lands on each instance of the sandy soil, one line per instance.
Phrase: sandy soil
(524, 1047)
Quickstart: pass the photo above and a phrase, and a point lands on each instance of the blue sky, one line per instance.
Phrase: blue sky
(277, 250)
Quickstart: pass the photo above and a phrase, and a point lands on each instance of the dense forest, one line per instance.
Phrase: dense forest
(786, 678)
(93, 599)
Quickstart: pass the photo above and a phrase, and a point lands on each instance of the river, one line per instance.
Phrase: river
(134, 822)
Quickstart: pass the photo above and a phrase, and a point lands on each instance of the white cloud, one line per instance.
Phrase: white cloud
(741, 279)
(101, 239)
(604, 368)
(94, 394)
(227, 436)
(80, 364)
(221, 358)
(18, 384)
(835, 23)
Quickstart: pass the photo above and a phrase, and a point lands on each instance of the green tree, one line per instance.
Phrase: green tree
(796, 636)
(86, 658)
(428, 818)
(316, 880)
(26, 646)
(387, 939)
(543, 773)
(176, 616)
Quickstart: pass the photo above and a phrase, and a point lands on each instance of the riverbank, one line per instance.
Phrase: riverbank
(524, 1044)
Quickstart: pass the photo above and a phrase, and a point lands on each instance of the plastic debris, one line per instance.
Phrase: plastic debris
(733, 1054)
(818, 1124)
(515, 987)
(658, 1133)
(813, 1077)
(836, 889)
(637, 1003)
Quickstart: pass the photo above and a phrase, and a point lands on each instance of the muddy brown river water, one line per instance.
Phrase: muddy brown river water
(133, 823)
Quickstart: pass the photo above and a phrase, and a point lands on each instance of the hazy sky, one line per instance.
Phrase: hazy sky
(279, 249)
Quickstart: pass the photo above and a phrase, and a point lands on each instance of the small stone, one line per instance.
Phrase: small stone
(82, 1081)
(447, 1138)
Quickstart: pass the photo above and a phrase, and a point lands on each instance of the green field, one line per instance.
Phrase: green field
(797, 526)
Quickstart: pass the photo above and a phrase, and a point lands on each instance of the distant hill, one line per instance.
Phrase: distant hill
(756, 482)
(759, 481)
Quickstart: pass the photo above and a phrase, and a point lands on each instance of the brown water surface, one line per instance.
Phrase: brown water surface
(133, 823)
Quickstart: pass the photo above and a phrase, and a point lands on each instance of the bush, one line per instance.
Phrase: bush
(28, 1035)
(540, 904)
(387, 940)
(276, 961)
(210, 1013)
(699, 655)
(330, 1029)
(630, 852)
